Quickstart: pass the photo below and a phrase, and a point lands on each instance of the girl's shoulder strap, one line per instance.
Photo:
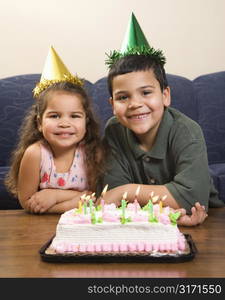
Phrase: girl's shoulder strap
(46, 154)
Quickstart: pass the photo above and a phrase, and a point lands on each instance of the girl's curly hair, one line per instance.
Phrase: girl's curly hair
(95, 151)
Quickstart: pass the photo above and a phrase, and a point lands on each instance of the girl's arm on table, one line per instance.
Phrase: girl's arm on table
(29, 175)
(46, 200)
(54, 200)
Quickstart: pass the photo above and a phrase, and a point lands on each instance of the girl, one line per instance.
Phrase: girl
(59, 156)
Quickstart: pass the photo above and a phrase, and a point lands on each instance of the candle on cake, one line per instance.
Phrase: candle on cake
(80, 207)
(90, 202)
(160, 206)
(123, 204)
(91, 205)
(85, 204)
(93, 216)
(153, 210)
(82, 203)
(136, 199)
(102, 203)
(161, 203)
(93, 197)
(150, 208)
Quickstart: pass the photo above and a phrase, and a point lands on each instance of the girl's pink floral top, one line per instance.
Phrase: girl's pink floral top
(75, 179)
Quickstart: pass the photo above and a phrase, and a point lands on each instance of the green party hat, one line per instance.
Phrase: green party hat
(134, 36)
(135, 42)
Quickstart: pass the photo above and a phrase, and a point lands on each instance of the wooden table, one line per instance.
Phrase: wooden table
(22, 235)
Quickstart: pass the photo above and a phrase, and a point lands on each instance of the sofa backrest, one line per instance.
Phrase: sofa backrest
(15, 98)
(202, 99)
(210, 98)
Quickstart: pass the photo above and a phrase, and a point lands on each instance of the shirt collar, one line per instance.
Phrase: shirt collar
(159, 148)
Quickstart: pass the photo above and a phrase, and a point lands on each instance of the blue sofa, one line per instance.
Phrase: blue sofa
(202, 99)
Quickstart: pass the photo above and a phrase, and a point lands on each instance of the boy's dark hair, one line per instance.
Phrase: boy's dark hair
(134, 63)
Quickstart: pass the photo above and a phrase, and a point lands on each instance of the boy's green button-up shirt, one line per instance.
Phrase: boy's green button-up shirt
(178, 160)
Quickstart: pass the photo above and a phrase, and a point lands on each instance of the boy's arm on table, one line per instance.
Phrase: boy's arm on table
(197, 216)
(184, 191)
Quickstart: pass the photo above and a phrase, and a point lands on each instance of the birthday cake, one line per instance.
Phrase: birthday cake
(107, 229)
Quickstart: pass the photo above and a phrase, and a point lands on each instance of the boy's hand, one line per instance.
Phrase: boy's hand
(197, 217)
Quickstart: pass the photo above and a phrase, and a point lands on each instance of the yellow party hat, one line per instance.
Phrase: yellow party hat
(54, 71)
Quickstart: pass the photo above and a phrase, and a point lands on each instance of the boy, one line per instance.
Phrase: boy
(153, 145)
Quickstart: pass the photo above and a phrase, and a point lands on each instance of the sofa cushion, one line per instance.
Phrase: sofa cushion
(182, 95)
(217, 172)
(7, 201)
(15, 98)
(210, 95)
(102, 106)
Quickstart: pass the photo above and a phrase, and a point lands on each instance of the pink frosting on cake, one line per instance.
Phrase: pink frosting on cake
(164, 219)
(122, 247)
(133, 206)
(109, 217)
(139, 218)
(112, 214)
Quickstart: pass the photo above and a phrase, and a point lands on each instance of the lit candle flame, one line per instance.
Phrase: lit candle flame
(104, 190)
(125, 196)
(137, 191)
(83, 197)
(155, 199)
(93, 197)
(87, 198)
(164, 197)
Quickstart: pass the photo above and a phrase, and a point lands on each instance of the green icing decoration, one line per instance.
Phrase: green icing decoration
(153, 219)
(174, 217)
(99, 220)
(145, 207)
(124, 220)
(128, 219)
(98, 207)
(93, 217)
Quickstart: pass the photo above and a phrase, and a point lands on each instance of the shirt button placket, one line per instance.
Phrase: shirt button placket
(151, 180)
(147, 159)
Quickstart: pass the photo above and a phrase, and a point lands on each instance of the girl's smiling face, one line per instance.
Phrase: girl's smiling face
(138, 103)
(63, 123)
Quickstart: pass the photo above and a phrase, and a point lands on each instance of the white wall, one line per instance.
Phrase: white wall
(190, 32)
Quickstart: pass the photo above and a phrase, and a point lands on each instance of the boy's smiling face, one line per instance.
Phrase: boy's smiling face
(138, 103)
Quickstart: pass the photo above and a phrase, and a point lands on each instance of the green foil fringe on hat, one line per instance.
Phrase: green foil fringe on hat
(135, 42)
